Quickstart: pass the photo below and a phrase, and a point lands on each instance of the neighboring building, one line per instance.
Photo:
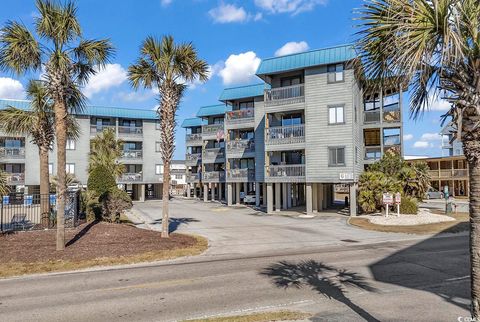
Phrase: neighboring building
(449, 171)
(309, 127)
(139, 129)
(450, 145)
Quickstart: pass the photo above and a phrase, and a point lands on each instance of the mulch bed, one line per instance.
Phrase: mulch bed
(86, 242)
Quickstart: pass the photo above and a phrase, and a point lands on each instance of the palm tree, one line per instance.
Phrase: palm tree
(434, 46)
(38, 123)
(105, 151)
(168, 67)
(67, 60)
(4, 189)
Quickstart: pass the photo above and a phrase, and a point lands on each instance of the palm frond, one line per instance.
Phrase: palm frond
(57, 22)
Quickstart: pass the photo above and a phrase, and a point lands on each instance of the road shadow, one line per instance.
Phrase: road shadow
(81, 233)
(439, 265)
(174, 223)
(324, 279)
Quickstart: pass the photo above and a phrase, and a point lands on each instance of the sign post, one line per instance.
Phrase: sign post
(387, 199)
(398, 201)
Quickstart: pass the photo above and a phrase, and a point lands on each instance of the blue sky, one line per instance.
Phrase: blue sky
(232, 36)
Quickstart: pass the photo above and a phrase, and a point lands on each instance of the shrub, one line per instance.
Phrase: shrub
(101, 180)
(114, 203)
(409, 206)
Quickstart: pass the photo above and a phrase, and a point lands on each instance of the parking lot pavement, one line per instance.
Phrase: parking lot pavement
(240, 230)
(462, 204)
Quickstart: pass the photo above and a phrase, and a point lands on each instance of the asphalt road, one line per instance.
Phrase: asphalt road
(258, 263)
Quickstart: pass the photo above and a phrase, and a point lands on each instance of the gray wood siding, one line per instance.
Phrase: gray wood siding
(319, 135)
(259, 140)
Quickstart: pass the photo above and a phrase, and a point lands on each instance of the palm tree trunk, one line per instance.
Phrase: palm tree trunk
(44, 186)
(165, 199)
(475, 237)
(61, 136)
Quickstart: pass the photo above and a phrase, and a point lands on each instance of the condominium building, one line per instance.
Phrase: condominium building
(451, 146)
(309, 126)
(139, 129)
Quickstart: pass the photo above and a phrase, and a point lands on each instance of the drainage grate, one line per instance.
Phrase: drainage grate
(349, 241)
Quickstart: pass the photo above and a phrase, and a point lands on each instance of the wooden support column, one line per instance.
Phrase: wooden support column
(277, 196)
(269, 198)
(308, 198)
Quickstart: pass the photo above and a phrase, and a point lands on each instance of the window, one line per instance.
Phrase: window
(70, 168)
(336, 156)
(291, 119)
(70, 144)
(158, 169)
(290, 81)
(336, 115)
(391, 136)
(178, 177)
(157, 125)
(50, 168)
(335, 73)
(158, 147)
(245, 105)
(356, 155)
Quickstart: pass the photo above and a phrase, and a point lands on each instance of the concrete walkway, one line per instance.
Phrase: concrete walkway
(239, 231)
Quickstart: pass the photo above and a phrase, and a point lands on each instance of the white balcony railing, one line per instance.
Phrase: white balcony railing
(132, 154)
(244, 116)
(194, 139)
(15, 178)
(285, 95)
(236, 147)
(213, 176)
(95, 129)
(213, 155)
(285, 172)
(213, 131)
(373, 153)
(192, 159)
(130, 130)
(448, 173)
(285, 134)
(371, 116)
(12, 153)
(193, 177)
(241, 175)
(131, 177)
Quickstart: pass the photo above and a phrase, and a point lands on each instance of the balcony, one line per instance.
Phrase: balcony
(193, 177)
(132, 154)
(240, 175)
(131, 177)
(194, 139)
(240, 118)
(12, 153)
(285, 135)
(192, 159)
(215, 155)
(285, 173)
(371, 116)
(448, 173)
(285, 95)
(240, 148)
(15, 178)
(213, 176)
(373, 153)
(96, 129)
(391, 113)
(130, 131)
(213, 132)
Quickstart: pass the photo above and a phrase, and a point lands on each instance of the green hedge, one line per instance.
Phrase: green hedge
(101, 180)
(409, 206)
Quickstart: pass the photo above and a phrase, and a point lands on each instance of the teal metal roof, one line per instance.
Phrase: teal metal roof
(307, 59)
(193, 122)
(234, 93)
(212, 110)
(90, 110)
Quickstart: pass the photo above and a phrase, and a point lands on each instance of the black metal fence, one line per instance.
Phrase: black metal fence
(20, 211)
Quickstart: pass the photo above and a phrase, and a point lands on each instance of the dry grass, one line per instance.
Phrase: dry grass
(260, 317)
(460, 224)
(21, 268)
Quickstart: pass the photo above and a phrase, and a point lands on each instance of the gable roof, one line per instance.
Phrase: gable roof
(212, 110)
(306, 59)
(192, 122)
(234, 93)
(92, 110)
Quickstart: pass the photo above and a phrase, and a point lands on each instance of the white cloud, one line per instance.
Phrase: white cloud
(111, 76)
(438, 104)
(227, 13)
(239, 68)
(11, 88)
(422, 145)
(288, 6)
(136, 96)
(292, 47)
(407, 137)
(431, 137)
(165, 3)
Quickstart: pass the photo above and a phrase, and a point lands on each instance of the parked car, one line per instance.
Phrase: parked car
(433, 194)
(250, 198)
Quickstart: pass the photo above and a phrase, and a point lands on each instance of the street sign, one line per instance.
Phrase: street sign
(398, 198)
(387, 199)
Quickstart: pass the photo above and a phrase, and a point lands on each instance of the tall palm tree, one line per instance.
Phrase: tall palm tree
(105, 150)
(433, 45)
(168, 67)
(67, 60)
(38, 123)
